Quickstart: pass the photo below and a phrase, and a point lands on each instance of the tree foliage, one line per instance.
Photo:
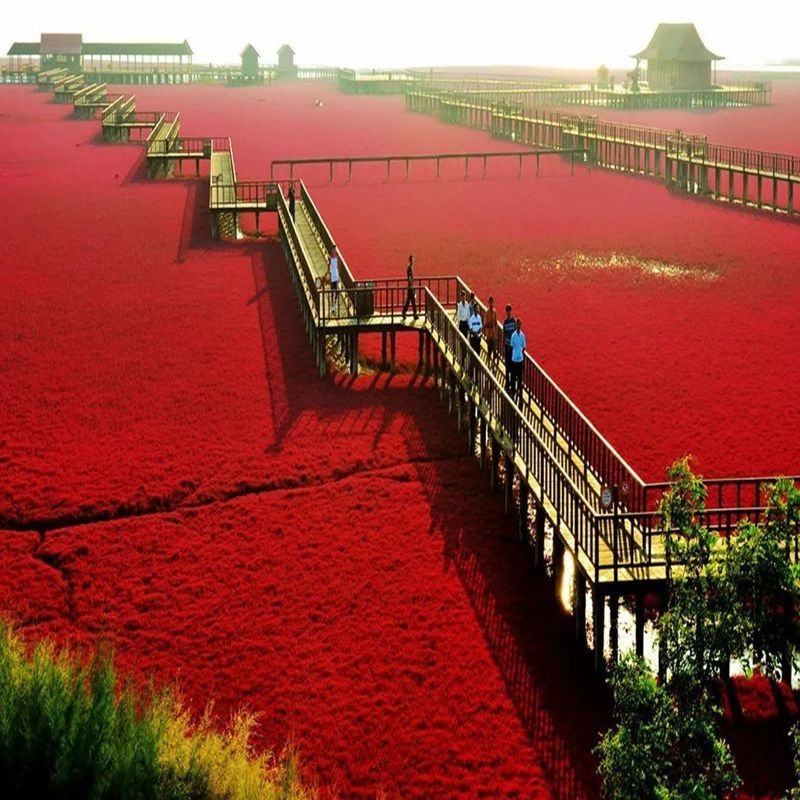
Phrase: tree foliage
(657, 749)
(702, 625)
(763, 581)
(726, 599)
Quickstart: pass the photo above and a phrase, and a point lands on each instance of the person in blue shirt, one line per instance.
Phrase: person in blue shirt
(509, 326)
(518, 344)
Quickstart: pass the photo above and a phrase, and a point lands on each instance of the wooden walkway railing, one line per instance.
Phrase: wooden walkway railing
(684, 161)
(408, 159)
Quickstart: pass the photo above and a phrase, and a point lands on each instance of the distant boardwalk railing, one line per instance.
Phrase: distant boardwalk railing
(438, 158)
(684, 161)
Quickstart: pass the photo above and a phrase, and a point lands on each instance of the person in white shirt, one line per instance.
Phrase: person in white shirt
(333, 274)
(475, 328)
(333, 268)
(518, 344)
(463, 312)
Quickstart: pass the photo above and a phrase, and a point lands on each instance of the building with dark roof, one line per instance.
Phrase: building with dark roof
(69, 50)
(286, 65)
(677, 58)
(249, 58)
(61, 50)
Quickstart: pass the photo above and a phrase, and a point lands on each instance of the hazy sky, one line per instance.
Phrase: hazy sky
(421, 32)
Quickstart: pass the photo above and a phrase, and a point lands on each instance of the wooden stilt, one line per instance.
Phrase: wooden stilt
(482, 443)
(613, 628)
(579, 595)
(472, 423)
(494, 476)
(639, 623)
(558, 562)
(524, 491)
(538, 542)
(599, 625)
(508, 484)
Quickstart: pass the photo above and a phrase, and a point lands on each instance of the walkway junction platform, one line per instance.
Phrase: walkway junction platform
(560, 477)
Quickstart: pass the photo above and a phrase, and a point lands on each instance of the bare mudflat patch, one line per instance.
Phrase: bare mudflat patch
(576, 263)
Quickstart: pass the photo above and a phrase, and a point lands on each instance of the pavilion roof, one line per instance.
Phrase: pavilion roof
(137, 49)
(677, 42)
(61, 44)
(24, 49)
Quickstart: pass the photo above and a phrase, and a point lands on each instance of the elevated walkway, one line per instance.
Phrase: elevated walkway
(560, 474)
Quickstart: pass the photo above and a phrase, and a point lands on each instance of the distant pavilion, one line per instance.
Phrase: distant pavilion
(677, 58)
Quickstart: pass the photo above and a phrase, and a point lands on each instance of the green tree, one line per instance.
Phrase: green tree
(702, 626)
(764, 582)
(658, 749)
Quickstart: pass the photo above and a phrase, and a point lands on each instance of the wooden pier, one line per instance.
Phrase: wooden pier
(686, 162)
(497, 88)
(559, 476)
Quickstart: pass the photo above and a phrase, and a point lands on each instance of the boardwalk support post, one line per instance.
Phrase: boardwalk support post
(599, 624)
(662, 656)
(354, 353)
(493, 478)
(639, 622)
(508, 484)
(538, 542)
(558, 561)
(472, 421)
(524, 491)
(613, 630)
(579, 599)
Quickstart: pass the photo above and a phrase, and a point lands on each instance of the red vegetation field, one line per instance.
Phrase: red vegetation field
(636, 350)
(175, 478)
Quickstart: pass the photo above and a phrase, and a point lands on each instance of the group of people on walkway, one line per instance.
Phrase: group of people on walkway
(478, 327)
(475, 325)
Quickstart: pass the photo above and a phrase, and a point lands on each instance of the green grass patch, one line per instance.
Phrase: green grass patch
(68, 729)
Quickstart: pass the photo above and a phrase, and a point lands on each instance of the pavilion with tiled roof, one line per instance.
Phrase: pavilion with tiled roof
(677, 58)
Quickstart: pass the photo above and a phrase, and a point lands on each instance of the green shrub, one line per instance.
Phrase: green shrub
(702, 626)
(67, 730)
(660, 749)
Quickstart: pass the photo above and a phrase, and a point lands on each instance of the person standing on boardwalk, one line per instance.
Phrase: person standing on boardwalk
(291, 200)
(475, 328)
(509, 326)
(463, 311)
(410, 299)
(333, 275)
(490, 329)
(518, 344)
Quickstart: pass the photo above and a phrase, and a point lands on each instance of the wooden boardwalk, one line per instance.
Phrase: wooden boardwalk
(560, 476)
(498, 88)
(738, 176)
